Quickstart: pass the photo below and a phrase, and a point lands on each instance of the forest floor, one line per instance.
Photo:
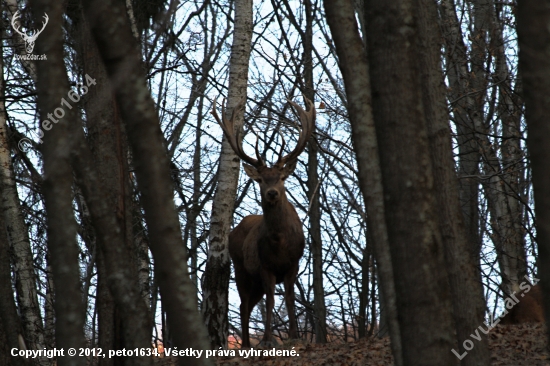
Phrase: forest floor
(511, 345)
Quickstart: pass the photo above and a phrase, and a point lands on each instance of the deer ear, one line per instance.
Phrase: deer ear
(251, 172)
(289, 169)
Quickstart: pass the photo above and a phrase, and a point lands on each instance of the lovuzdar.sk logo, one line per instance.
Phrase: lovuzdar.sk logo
(28, 37)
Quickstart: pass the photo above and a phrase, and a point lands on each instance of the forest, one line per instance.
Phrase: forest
(394, 187)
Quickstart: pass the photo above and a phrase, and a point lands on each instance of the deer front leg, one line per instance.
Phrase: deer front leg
(289, 300)
(268, 280)
(245, 318)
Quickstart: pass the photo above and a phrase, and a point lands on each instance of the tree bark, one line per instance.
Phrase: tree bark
(121, 56)
(215, 285)
(422, 288)
(52, 86)
(533, 17)
(18, 236)
(355, 71)
(466, 290)
(461, 89)
(10, 323)
(316, 244)
(107, 141)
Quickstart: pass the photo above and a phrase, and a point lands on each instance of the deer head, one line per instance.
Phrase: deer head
(271, 179)
(32, 36)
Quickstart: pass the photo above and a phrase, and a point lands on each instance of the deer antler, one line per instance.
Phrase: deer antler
(233, 136)
(307, 119)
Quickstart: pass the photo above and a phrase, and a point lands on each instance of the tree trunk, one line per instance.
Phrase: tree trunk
(215, 285)
(52, 86)
(18, 236)
(355, 71)
(109, 25)
(316, 245)
(413, 232)
(107, 141)
(10, 324)
(466, 290)
(464, 110)
(533, 17)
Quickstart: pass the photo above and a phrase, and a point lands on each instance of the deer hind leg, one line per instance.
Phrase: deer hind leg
(290, 278)
(268, 281)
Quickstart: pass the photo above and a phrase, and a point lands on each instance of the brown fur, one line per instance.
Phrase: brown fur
(266, 249)
(529, 309)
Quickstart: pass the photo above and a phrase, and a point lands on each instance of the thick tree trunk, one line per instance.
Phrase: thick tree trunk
(533, 17)
(215, 285)
(413, 231)
(52, 86)
(355, 71)
(107, 141)
(120, 53)
(466, 290)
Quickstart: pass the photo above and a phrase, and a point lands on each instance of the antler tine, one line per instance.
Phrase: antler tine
(258, 155)
(232, 135)
(307, 120)
(283, 144)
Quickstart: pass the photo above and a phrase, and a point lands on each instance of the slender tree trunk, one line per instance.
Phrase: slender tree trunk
(364, 295)
(466, 290)
(355, 70)
(533, 17)
(10, 323)
(464, 110)
(413, 231)
(468, 89)
(121, 56)
(49, 309)
(319, 307)
(215, 285)
(18, 236)
(195, 208)
(52, 86)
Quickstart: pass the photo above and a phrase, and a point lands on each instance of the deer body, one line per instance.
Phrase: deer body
(266, 249)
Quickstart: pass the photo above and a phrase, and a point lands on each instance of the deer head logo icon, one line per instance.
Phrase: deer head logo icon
(32, 36)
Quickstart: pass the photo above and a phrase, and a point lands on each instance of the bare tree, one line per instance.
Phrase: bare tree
(53, 85)
(121, 57)
(355, 70)
(466, 289)
(216, 277)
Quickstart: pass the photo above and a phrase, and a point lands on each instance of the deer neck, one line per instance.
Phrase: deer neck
(276, 216)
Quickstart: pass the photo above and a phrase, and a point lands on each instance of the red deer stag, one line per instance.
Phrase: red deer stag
(266, 249)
